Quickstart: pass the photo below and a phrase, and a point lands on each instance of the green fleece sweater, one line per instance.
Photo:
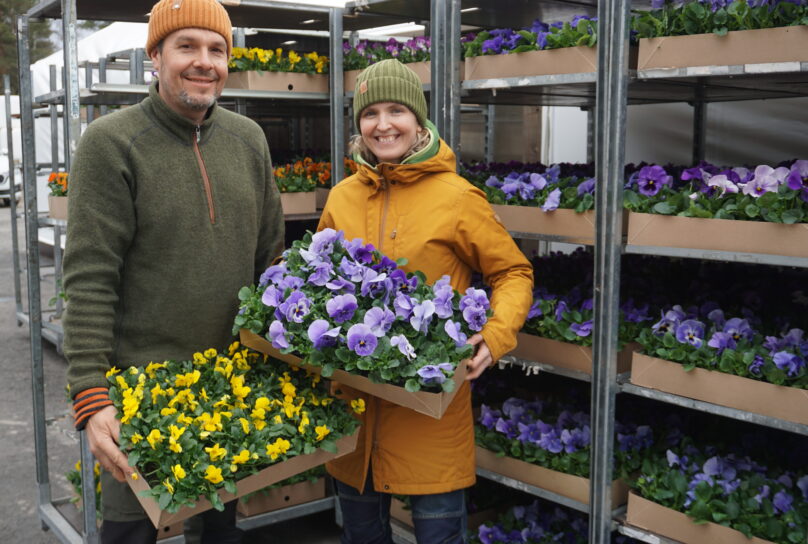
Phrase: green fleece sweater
(167, 221)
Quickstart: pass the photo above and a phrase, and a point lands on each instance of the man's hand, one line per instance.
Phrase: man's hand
(103, 430)
(481, 359)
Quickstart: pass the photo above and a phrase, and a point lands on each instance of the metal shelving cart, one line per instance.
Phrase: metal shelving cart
(101, 94)
(608, 93)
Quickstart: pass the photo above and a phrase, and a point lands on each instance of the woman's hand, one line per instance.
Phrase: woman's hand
(481, 359)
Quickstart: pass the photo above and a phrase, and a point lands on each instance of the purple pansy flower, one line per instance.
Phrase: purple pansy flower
(475, 317)
(552, 201)
(321, 335)
(738, 328)
(690, 332)
(434, 374)
(455, 333)
(586, 186)
(361, 339)
(790, 363)
(322, 273)
(782, 502)
(422, 315)
(290, 282)
(400, 341)
(756, 366)
(766, 180)
(277, 335)
(582, 330)
(341, 308)
(651, 179)
(272, 297)
(358, 251)
(341, 284)
(273, 274)
(379, 320)
(443, 297)
(295, 307)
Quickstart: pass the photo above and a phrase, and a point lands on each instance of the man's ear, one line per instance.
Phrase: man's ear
(155, 58)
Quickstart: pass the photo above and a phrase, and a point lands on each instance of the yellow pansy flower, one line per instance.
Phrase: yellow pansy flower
(168, 486)
(289, 391)
(304, 421)
(210, 353)
(213, 474)
(154, 437)
(121, 382)
(137, 437)
(245, 425)
(131, 403)
(215, 452)
(358, 405)
(203, 394)
(112, 371)
(242, 457)
(184, 419)
(278, 448)
(278, 419)
(322, 431)
(326, 401)
(133, 371)
(232, 348)
(178, 471)
(200, 359)
(187, 380)
(167, 411)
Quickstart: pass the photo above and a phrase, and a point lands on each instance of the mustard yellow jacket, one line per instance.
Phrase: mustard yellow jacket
(442, 224)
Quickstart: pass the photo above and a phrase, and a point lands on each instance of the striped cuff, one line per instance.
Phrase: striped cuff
(87, 403)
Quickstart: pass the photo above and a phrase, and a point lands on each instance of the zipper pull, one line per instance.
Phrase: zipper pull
(393, 234)
(198, 134)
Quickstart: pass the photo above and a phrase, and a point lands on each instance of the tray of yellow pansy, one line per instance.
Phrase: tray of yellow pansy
(202, 432)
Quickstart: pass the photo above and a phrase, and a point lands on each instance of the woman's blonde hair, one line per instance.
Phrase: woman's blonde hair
(357, 146)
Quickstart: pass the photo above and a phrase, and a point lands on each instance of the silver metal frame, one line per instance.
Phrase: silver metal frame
(15, 240)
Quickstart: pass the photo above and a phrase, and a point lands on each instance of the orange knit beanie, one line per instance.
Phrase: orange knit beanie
(170, 15)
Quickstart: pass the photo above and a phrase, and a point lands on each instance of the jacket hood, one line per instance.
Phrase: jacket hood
(444, 160)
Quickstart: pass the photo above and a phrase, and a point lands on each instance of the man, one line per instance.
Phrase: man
(173, 208)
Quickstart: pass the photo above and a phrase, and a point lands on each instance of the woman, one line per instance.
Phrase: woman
(408, 200)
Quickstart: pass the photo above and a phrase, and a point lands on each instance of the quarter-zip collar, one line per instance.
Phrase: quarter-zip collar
(178, 125)
(441, 159)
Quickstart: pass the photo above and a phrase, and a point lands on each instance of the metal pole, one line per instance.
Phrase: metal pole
(337, 96)
(240, 40)
(32, 251)
(137, 59)
(15, 249)
(102, 78)
(88, 82)
(610, 132)
(445, 69)
(490, 126)
(72, 114)
(53, 111)
(590, 135)
(699, 124)
(91, 535)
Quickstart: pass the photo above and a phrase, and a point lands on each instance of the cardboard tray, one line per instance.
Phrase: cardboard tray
(297, 203)
(646, 229)
(421, 69)
(568, 60)
(564, 354)
(430, 404)
(278, 81)
(563, 223)
(788, 403)
(320, 197)
(282, 497)
(676, 525)
(573, 487)
(57, 207)
(268, 476)
(770, 45)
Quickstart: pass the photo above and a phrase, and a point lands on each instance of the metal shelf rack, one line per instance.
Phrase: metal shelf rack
(609, 91)
(72, 98)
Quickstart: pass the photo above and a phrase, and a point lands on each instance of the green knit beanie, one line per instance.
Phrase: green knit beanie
(389, 81)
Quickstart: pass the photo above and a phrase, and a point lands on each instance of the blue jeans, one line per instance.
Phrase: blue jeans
(438, 518)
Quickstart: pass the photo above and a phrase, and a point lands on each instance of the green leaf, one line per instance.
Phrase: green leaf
(663, 208)
(244, 294)
(752, 210)
(165, 498)
(230, 486)
(792, 216)
(412, 385)
(328, 370)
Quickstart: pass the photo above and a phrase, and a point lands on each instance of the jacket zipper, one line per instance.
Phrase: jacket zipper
(205, 179)
(386, 189)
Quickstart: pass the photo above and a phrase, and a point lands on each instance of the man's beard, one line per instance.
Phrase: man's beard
(195, 104)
